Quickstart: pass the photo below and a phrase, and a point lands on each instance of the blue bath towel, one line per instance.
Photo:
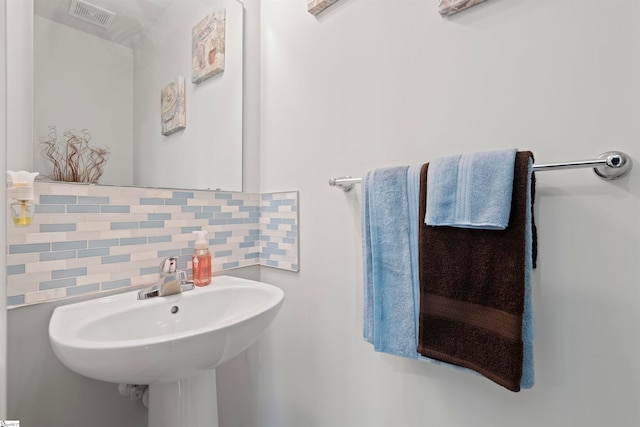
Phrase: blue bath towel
(527, 315)
(389, 296)
(471, 190)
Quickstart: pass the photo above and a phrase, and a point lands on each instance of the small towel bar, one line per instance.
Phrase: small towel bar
(610, 165)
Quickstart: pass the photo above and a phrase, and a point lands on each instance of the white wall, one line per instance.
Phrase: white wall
(208, 152)
(19, 71)
(3, 243)
(381, 83)
(80, 82)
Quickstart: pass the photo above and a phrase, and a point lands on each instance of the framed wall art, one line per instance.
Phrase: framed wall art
(317, 6)
(208, 43)
(172, 107)
(449, 7)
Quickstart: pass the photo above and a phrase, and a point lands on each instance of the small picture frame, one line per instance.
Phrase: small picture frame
(208, 46)
(172, 107)
(449, 7)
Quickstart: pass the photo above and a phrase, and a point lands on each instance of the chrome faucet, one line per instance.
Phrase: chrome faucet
(171, 281)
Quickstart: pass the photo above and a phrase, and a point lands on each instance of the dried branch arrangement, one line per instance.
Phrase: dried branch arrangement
(72, 158)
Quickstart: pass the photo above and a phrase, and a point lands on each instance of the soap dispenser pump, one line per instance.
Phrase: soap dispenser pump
(201, 260)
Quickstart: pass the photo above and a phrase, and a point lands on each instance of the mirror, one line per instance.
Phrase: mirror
(109, 81)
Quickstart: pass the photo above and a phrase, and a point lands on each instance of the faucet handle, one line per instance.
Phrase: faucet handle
(168, 266)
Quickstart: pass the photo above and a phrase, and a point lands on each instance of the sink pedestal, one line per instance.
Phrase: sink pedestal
(192, 402)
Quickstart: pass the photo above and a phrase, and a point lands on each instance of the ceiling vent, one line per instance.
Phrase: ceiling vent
(91, 13)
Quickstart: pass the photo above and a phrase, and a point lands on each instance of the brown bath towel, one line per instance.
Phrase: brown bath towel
(472, 285)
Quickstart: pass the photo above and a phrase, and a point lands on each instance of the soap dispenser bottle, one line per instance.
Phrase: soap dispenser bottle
(201, 260)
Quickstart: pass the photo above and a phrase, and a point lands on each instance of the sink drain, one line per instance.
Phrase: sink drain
(174, 309)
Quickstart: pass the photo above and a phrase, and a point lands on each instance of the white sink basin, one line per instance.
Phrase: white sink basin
(122, 339)
(172, 343)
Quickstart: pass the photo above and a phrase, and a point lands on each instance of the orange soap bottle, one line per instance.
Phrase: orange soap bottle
(201, 260)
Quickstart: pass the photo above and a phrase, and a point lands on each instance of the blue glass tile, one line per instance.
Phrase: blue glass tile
(67, 246)
(168, 253)
(151, 224)
(218, 241)
(294, 209)
(55, 256)
(247, 244)
(115, 259)
(124, 225)
(72, 272)
(57, 200)
(265, 238)
(217, 222)
(92, 252)
(289, 221)
(295, 267)
(15, 300)
(60, 283)
(175, 202)
(83, 289)
(52, 228)
(148, 270)
(275, 221)
(253, 255)
(41, 209)
(223, 196)
(249, 209)
(251, 221)
(29, 248)
(289, 240)
(151, 201)
(116, 284)
(254, 232)
(191, 229)
(194, 209)
(254, 214)
(126, 241)
(90, 200)
(115, 209)
(183, 194)
(271, 263)
(268, 209)
(272, 245)
(292, 234)
(159, 216)
(218, 234)
(235, 221)
(220, 254)
(235, 203)
(274, 251)
(266, 196)
(223, 215)
(251, 238)
(272, 227)
(233, 264)
(15, 269)
(211, 209)
(203, 216)
(104, 243)
(159, 239)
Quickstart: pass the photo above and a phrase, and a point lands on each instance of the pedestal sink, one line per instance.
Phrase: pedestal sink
(172, 343)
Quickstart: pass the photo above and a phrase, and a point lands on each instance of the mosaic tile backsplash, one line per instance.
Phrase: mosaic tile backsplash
(86, 238)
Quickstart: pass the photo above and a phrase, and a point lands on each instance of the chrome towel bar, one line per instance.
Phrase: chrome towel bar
(610, 165)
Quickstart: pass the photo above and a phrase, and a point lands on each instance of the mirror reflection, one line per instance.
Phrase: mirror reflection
(105, 68)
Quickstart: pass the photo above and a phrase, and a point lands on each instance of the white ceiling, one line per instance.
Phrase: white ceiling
(133, 17)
